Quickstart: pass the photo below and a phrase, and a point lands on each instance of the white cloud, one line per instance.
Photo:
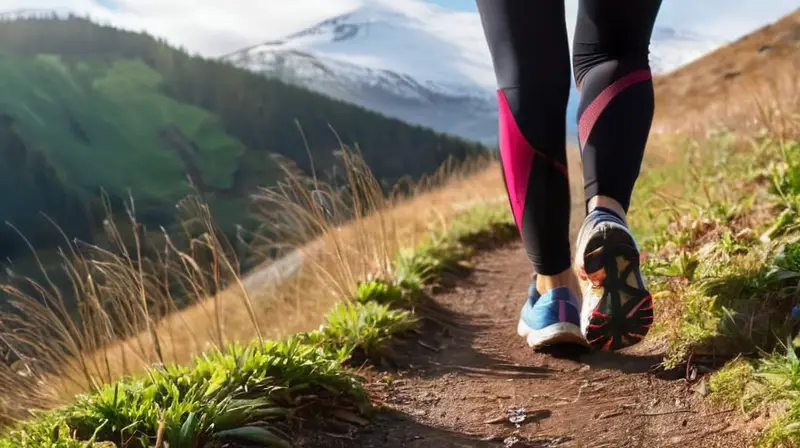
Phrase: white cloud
(209, 27)
(214, 27)
(728, 19)
(725, 19)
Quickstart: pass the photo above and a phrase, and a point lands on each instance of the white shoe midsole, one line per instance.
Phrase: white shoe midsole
(536, 337)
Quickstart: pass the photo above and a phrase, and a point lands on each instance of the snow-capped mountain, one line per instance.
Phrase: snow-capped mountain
(418, 62)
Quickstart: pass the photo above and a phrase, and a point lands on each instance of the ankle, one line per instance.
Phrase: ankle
(606, 202)
(566, 278)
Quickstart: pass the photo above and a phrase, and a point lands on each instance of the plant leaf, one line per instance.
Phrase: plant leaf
(254, 434)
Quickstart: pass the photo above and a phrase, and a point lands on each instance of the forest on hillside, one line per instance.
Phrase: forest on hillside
(88, 110)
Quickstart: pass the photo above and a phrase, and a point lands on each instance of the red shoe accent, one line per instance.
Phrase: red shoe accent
(639, 305)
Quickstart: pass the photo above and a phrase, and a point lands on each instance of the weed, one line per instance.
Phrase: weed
(252, 391)
(257, 392)
(429, 262)
(383, 292)
(786, 173)
(731, 244)
(483, 226)
(788, 258)
(699, 324)
(362, 328)
(728, 384)
(778, 380)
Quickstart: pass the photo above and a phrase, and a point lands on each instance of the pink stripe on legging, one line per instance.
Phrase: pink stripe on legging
(516, 155)
(517, 158)
(592, 113)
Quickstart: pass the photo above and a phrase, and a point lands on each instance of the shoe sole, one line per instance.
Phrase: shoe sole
(560, 333)
(623, 324)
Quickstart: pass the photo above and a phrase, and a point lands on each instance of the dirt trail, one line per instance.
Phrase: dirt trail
(571, 398)
(478, 369)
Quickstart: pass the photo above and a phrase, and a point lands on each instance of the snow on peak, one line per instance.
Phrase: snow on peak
(412, 38)
(418, 62)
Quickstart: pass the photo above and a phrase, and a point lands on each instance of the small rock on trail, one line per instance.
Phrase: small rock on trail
(488, 389)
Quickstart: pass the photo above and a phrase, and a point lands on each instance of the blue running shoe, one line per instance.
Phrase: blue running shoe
(550, 318)
(617, 308)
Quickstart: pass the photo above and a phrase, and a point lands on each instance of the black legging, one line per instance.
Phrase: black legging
(530, 51)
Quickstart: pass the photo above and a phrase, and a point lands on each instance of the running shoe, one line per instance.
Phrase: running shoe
(550, 318)
(617, 307)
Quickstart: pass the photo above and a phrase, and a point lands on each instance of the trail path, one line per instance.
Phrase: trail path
(458, 393)
(571, 398)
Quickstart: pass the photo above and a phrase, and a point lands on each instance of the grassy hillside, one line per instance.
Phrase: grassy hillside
(89, 107)
(743, 81)
(718, 223)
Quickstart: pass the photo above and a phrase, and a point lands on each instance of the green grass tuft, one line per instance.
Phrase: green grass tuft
(449, 248)
(360, 327)
(720, 289)
(728, 384)
(483, 225)
(255, 390)
(383, 292)
(430, 261)
(788, 258)
(777, 377)
(259, 392)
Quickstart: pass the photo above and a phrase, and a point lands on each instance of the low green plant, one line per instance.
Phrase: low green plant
(384, 292)
(448, 248)
(778, 379)
(699, 324)
(363, 327)
(429, 262)
(729, 383)
(788, 258)
(483, 225)
(250, 392)
(257, 393)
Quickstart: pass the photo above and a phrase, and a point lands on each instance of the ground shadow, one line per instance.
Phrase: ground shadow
(755, 308)
(429, 351)
(445, 344)
(619, 361)
(393, 429)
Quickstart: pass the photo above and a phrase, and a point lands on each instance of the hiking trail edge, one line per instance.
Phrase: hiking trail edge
(462, 392)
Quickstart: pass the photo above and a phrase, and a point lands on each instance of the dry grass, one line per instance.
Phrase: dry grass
(749, 85)
(127, 308)
(127, 313)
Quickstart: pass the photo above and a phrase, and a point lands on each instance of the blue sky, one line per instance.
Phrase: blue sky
(214, 27)
(459, 5)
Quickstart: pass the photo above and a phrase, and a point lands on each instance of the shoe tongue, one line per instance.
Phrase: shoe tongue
(562, 293)
(559, 294)
(601, 214)
(608, 211)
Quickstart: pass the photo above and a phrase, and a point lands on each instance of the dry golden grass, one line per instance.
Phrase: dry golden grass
(130, 320)
(749, 85)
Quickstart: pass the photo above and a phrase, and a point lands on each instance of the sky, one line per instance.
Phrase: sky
(215, 27)
(458, 5)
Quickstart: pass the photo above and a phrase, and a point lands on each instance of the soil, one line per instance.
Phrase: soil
(459, 385)
(463, 378)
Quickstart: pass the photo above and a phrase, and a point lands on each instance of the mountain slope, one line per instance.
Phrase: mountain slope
(418, 62)
(89, 107)
(723, 84)
(400, 59)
